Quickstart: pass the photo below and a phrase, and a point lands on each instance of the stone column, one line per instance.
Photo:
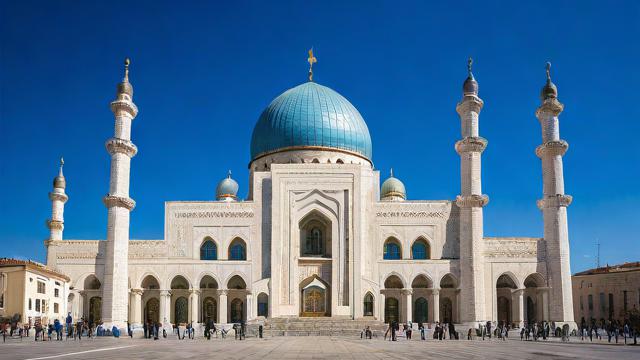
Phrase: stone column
(381, 300)
(517, 299)
(250, 310)
(222, 306)
(195, 305)
(408, 293)
(545, 304)
(164, 306)
(436, 304)
(471, 201)
(80, 304)
(119, 204)
(554, 205)
(457, 316)
(136, 307)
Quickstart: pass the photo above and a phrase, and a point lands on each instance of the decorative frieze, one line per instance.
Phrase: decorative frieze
(470, 103)
(213, 214)
(471, 144)
(511, 248)
(411, 214)
(115, 145)
(556, 201)
(554, 148)
(472, 201)
(125, 202)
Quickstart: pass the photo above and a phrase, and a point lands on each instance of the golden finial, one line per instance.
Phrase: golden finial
(312, 60)
(126, 69)
(548, 71)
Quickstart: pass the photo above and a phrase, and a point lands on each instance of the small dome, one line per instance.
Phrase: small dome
(227, 189)
(470, 86)
(59, 181)
(393, 189)
(549, 91)
(310, 116)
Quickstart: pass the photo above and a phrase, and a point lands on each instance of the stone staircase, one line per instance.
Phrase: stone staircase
(316, 327)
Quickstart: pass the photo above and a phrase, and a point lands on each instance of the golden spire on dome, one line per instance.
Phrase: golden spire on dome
(312, 60)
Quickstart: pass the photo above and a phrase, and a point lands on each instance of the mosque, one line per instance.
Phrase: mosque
(318, 235)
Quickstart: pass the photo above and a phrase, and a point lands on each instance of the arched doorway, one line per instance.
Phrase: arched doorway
(152, 311)
(95, 310)
(314, 298)
(237, 311)
(391, 310)
(263, 305)
(210, 309)
(421, 310)
(504, 289)
(504, 310)
(446, 310)
(534, 305)
(181, 311)
(367, 308)
(531, 311)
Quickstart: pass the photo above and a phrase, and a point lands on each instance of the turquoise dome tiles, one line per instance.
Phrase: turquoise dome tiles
(310, 115)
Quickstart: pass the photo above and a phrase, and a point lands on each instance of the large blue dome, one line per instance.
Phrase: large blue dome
(310, 116)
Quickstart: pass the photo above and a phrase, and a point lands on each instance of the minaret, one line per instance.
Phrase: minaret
(56, 224)
(116, 287)
(554, 205)
(470, 201)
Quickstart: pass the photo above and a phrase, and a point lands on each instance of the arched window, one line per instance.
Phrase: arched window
(208, 250)
(420, 250)
(313, 245)
(263, 305)
(237, 250)
(392, 250)
(368, 305)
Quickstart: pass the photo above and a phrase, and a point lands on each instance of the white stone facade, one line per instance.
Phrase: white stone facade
(311, 239)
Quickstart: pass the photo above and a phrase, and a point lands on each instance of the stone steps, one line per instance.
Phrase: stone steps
(317, 327)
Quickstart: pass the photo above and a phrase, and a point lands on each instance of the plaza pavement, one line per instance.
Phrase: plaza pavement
(309, 348)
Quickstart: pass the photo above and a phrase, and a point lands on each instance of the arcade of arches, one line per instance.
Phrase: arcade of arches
(517, 305)
(181, 303)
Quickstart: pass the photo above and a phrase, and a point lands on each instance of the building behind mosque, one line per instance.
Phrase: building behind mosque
(319, 234)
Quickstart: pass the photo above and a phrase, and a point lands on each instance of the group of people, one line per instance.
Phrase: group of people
(440, 331)
(613, 330)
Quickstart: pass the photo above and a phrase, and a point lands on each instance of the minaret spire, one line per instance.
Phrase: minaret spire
(58, 198)
(115, 293)
(554, 205)
(471, 201)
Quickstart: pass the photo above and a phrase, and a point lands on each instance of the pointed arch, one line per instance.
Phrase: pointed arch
(507, 280)
(208, 249)
(368, 304)
(420, 249)
(237, 249)
(422, 281)
(236, 282)
(392, 249)
(534, 280)
(180, 282)
(150, 282)
(449, 281)
(91, 282)
(394, 281)
(207, 276)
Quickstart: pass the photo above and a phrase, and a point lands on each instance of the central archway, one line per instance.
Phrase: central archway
(315, 298)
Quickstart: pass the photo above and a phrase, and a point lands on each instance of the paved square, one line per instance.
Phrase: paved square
(310, 348)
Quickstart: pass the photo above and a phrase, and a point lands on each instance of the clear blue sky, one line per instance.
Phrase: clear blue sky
(203, 71)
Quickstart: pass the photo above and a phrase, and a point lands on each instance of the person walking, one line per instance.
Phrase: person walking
(394, 327)
(626, 331)
(421, 329)
(69, 321)
(409, 330)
